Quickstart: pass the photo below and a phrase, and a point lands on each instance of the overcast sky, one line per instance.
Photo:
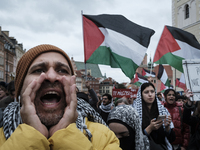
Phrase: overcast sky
(59, 22)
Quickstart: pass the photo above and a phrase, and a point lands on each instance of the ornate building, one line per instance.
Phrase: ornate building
(186, 16)
(10, 53)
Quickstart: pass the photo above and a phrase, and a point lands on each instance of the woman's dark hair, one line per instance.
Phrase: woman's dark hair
(145, 85)
(168, 90)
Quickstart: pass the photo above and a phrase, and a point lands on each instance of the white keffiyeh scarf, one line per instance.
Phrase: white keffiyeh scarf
(137, 104)
(12, 118)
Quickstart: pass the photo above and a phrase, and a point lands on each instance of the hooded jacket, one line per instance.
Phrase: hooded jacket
(26, 137)
(88, 133)
(182, 137)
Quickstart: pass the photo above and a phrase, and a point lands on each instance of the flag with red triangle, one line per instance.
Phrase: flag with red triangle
(115, 41)
(181, 82)
(148, 73)
(176, 45)
(139, 79)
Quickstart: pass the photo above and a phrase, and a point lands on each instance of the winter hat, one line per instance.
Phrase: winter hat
(27, 59)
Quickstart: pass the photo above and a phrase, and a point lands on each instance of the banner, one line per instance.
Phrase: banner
(191, 69)
(128, 93)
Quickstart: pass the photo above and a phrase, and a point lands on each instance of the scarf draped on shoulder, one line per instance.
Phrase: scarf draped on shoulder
(12, 118)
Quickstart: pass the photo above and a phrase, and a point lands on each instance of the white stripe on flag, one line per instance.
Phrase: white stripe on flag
(148, 74)
(164, 76)
(182, 79)
(123, 45)
(187, 51)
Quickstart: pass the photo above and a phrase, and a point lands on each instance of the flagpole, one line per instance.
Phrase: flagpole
(83, 46)
(151, 67)
(154, 56)
(175, 80)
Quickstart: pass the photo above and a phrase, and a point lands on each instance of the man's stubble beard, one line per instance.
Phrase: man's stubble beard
(50, 116)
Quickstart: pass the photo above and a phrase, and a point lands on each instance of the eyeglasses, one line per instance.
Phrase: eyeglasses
(104, 98)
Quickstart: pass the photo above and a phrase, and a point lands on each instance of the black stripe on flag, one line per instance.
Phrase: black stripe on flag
(124, 26)
(150, 72)
(142, 77)
(184, 36)
(160, 71)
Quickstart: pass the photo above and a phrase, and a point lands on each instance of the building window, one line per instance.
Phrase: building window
(1, 61)
(187, 11)
(1, 74)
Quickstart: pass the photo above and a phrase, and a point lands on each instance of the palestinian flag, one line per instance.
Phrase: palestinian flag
(163, 87)
(174, 46)
(139, 79)
(114, 40)
(147, 73)
(163, 77)
(181, 82)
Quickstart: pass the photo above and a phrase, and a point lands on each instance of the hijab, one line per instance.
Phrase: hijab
(138, 105)
(127, 116)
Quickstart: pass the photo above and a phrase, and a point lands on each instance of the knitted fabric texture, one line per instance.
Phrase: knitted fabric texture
(12, 118)
(27, 59)
(137, 105)
(128, 115)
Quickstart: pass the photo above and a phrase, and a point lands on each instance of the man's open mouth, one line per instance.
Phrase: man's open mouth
(50, 98)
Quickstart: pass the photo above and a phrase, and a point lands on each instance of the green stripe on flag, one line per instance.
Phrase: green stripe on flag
(105, 56)
(172, 60)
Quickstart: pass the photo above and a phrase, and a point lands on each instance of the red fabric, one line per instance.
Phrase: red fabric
(143, 72)
(166, 44)
(162, 87)
(136, 78)
(93, 37)
(181, 138)
(180, 84)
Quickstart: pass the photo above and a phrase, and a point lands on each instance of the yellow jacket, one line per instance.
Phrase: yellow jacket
(26, 137)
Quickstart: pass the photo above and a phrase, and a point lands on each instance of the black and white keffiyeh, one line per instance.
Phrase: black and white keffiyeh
(11, 117)
(137, 104)
(106, 108)
(128, 115)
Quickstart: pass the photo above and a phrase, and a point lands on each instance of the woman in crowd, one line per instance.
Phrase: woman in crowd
(159, 132)
(193, 121)
(125, 123)
(121, 101)
(176, 110)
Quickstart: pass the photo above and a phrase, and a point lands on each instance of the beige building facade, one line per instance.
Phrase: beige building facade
(186, 16)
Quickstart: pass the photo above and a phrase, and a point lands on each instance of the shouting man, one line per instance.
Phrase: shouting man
(48, 115)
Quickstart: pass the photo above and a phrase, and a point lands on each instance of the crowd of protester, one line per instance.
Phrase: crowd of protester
(88, 120)
(174, 131)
